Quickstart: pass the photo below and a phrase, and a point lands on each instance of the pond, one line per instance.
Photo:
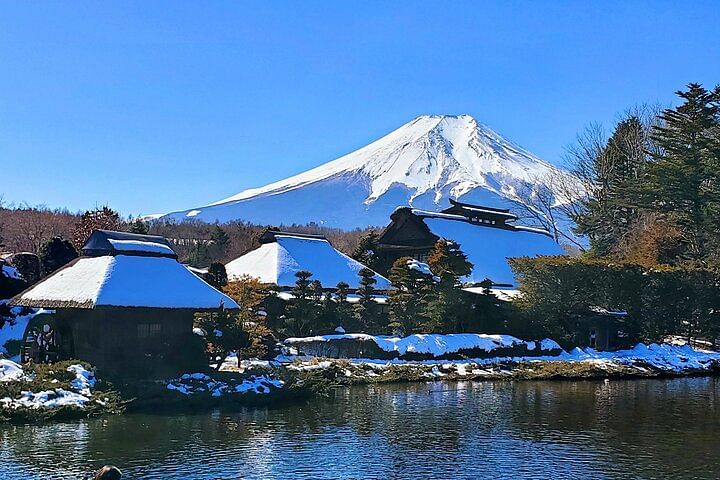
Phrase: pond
(615, 429)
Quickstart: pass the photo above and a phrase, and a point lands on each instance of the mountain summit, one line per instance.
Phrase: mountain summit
(423, 163)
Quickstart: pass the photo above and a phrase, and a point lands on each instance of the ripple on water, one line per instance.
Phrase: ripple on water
(623, 429)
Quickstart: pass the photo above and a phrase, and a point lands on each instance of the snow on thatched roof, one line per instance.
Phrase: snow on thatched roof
(488, 248)
(108, 242)
(133, 275)
(278, 260)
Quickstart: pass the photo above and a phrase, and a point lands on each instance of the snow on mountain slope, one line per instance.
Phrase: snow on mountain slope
(422, 163)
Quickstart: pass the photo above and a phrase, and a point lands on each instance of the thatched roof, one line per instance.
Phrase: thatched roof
(125, 278)
(284, 254)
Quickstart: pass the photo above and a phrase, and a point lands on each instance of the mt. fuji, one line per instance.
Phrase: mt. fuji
(422, 164)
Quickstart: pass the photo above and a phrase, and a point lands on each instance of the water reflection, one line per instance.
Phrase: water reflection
(618, 429)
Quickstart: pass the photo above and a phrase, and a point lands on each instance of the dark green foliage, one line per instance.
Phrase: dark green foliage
(219, 242)
(367, 310)
(216, 275)
(365, 250)
(683, 181)
(56, 253)
(303, 309)
(613, 172)
(343, 309)
(659, 301)
(408, 301)
(448, 306)
(44, 377)
(139, 226)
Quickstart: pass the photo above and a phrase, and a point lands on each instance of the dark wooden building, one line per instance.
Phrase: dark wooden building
(486, 235)
(126, 305)
(601, 329)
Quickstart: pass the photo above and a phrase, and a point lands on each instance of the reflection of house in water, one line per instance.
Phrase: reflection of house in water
(601, 329)
(125, 305)
(486, 235)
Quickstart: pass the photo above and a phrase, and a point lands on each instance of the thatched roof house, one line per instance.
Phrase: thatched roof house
(281, 255)
(486, 235)
(126, 302)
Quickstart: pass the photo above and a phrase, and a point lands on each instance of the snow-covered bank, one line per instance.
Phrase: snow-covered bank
(641, 361)
(418, 347)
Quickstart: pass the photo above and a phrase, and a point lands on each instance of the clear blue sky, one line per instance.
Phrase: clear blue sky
(155, 106)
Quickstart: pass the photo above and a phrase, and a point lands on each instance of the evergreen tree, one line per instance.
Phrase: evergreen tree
(365, 250)
(408, 301)
(343, 310)
(683, 181)
(367, 310)
(138, 226)
(220, 241)
(302, 309)
(448, 263)
(216, 275)
(613, 171)
(56, 253)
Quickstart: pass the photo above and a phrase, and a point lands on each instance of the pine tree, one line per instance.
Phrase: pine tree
(365, 250)
(216, 275)
(224, 332)
(220, 241)
(449, 263)
(683, 181)
(302, 309)
(56, 253)
(609, 212)
(139, 226)
(367, 310)
(408, 301)
(343, 309)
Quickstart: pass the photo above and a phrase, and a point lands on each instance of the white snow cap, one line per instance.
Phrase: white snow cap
(124, 281)
(278, 261)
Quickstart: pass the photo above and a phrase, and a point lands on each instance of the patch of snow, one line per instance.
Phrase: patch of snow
(9, 271)
(194, 383)
(198, 331)
(46, 399)
(10, 371)
(84, 380)
(339, 329)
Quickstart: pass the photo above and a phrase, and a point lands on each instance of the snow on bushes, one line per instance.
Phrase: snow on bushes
(417, 347)
(45, 390)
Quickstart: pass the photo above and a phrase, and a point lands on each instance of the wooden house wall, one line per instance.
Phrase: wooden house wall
(110, 338)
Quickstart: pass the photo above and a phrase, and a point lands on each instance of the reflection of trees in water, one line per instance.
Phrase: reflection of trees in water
(518, 427)
(629, 419)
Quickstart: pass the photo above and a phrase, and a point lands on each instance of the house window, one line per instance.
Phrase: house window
(148, 330)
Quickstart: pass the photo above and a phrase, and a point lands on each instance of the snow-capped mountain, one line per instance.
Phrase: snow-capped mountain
(423, 164)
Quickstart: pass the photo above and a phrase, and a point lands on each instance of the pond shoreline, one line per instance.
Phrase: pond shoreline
(291, 379)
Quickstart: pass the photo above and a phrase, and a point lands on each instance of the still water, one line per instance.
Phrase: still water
(616, 429)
